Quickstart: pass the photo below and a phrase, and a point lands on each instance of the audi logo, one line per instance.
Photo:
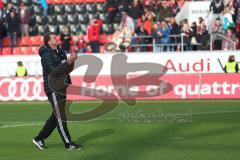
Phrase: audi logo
(18, 89)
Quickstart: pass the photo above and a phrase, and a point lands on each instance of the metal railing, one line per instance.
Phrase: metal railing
(180, 45)
(155, 45)
(222, 37)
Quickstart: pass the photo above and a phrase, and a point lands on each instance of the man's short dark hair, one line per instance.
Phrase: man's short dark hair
(46, 37)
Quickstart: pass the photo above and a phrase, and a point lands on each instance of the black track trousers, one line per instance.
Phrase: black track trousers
(57, 118)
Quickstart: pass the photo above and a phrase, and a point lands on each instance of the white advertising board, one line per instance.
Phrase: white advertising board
(176, 63)
(193, 10)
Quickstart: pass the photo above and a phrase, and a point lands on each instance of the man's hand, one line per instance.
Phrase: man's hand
(71, 58)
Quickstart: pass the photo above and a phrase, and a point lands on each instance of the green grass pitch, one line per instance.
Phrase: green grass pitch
(212, 132)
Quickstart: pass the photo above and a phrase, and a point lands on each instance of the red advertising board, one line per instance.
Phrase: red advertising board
(184, 86)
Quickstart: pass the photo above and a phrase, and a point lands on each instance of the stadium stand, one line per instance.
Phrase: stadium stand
(76, 14)
(6, 51)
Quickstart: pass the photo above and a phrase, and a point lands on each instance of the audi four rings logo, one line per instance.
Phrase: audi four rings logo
(17, 89)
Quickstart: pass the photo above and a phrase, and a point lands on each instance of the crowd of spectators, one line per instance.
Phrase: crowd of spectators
(14, 22)
(151, 21)
(156, 19)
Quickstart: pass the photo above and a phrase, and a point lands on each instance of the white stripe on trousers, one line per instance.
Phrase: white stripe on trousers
(59, 117)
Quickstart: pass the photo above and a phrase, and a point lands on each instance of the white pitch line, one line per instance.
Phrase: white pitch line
(21, 125)
(41, 123)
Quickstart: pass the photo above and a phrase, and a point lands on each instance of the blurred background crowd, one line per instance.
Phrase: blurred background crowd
(86, 26)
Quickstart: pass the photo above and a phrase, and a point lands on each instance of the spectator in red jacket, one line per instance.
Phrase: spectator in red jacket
(93, 33)
(1, 5)
(147, 24)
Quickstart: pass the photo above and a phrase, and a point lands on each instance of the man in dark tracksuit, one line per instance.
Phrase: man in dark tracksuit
(54, 60)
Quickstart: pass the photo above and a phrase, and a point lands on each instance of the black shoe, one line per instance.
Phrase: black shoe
(38, 143)
(73, 146)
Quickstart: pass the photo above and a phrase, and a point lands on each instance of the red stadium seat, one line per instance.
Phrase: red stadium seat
(95, 1)
(35, 50)
(100, 1)
(59, 1)
(68, 1)
(65, 1)
(27, 50)
(50, 1)
(80, 1)
(74, 40)
(7, 51)
(106, 38)
(90, 1)
(17, 51)
(37, 40)
(26, 41)
(110, 37)
(103, 39)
